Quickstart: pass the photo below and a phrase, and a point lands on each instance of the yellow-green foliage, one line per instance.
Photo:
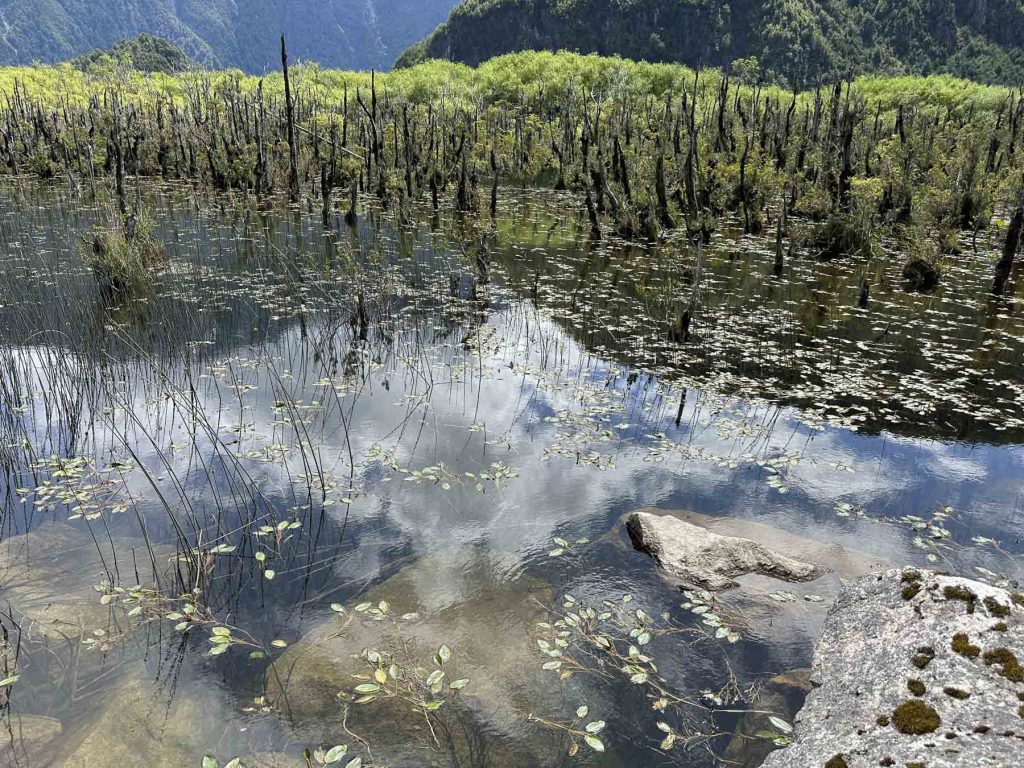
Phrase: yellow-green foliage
(513, 77)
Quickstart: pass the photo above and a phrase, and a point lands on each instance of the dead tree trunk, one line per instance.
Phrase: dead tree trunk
(293, 154)
(1010, 247)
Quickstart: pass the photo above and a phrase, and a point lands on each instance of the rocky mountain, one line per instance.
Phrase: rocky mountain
(794, 41)
(353, 34)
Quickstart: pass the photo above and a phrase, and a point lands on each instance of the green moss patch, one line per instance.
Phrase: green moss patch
(916, 687)
(910, 591)
(956, 693)
(1010, 667)
(960, 592)
(962, 644)
(838, 761)
(996, 608)
(915, 717)
(923, 657)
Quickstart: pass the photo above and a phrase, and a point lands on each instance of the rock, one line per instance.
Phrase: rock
(693, 556)
(143, 726)
(48, 577)
(25, 740)
(781, 696)
(914, 668)
(488, 624)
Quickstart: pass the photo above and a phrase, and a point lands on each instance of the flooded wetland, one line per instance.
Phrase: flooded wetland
(319, 491)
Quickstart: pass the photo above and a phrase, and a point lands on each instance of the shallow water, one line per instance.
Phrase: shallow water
(427, 443)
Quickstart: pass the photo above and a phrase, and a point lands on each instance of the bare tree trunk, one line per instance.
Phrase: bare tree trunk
(293, 154)
(1010, 247)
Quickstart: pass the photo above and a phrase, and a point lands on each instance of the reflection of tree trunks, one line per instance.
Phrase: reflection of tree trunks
(1010, 248)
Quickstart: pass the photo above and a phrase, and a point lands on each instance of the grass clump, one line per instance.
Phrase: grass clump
(122, 255)
(1000, 626)
(916, 687)
(882, 720)
(956, 693)
(1007, 661)
(962, 644)
(842, 235)
(915, 717)
(837, 761)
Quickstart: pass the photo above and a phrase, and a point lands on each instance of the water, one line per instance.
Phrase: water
(455, 422)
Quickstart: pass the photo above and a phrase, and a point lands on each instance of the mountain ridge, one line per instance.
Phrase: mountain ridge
(243, 34)
(792, 41)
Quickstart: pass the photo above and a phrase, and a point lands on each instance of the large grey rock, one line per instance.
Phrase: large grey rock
(914, 668)
(693, 556)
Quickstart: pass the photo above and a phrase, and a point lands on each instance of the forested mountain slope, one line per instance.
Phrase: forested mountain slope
(354, 34)
(145, 53)
(797, 41)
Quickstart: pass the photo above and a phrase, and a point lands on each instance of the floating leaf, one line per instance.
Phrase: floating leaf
(594, 743)
(444, 654)
(334, 754)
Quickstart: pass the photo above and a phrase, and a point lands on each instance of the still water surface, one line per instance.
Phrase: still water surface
(454, 421)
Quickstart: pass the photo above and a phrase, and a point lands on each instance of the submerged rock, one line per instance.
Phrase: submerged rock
(782, 697)
(693, 556)
(48, 577)
(487, 623)
(140, 726)
(915, 668)
(26, 740)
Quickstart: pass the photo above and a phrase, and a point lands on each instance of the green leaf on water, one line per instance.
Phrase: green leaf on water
(367, 688)
(594, 743)
(334, 754)
(444, 653)
(595, 727)
(459, 684)
(9, 680)
(210, 762)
